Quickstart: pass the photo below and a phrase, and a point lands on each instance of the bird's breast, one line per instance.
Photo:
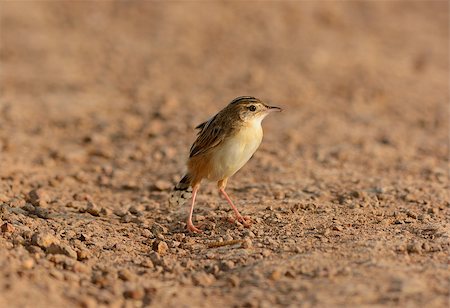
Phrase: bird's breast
(235, 151)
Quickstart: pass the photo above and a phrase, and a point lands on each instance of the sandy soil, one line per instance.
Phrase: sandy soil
(348, 192)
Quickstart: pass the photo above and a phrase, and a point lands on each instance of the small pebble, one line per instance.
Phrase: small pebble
(160, 247)
(227, 238)
(120, 212)
(276, 275)
(158, 228)
(43, 240)
(126, 275)
(234, 280)
(105, 211)
(146, 233)
(126, 218)
(63, 249)
(414, 247)
(247, 243)
(93, 209)
(79, 267)
(266, 253)
(147, 263)
(227, 265)
(162, 185)
(135, 293)
(136, 209)
(42, 213)
(29, 207)
(7, 228)
(338, 228)
(38, 197)
(18, 240)
(3, 198)
(28, 264)
(203, 279)
(56, 274)
(87, 302)
(249, 233)
(83, 254)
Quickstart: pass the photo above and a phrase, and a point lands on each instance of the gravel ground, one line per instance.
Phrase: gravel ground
(348, 192)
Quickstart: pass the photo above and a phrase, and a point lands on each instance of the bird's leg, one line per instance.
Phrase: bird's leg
(190, 225)
(238, 215)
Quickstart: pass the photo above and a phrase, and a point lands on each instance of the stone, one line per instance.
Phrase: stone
(136, 209)
(93, 209)
(127, 218)
(83, 254)
(35, 250)
(42, 213)
(120, 212)
(126, 275)
(61, 259)
(234, 280)
(17, 202)
(276, 274)
(160, 247)
(203, 279)
(155, 258)
(28, 264)
(414, 247)
(87, 302)
(134, 293)
(38, 197)
(18, 240)
(3, 198)
(79, 267)
(62, 249)
(158, 229)
(56, 274)
(162, 185)
(105, 211)
(7, 228)
(29, 208)
(227, 265)
(247, 243)
(249, 233)
(43, 239)
(147, 263)
(146, 233)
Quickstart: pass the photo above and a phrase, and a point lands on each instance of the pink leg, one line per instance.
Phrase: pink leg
(239, 217)
(190, 225)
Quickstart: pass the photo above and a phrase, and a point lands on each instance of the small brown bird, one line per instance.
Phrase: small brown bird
(224, 144)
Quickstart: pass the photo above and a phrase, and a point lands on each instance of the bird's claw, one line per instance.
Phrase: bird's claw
(244, 220)
(192, 228)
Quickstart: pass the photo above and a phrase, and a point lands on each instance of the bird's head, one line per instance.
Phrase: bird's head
(251, 109)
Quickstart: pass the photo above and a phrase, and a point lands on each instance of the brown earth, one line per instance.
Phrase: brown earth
(348, 192)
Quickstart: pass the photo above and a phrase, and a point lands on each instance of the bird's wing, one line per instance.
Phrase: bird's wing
(211, 134)
(201, 125)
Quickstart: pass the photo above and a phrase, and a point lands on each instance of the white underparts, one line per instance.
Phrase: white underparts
(236, 150)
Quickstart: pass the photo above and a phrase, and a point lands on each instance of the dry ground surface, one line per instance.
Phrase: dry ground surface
(348, 192)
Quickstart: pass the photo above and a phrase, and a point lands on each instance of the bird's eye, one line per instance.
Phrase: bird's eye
(252, 108)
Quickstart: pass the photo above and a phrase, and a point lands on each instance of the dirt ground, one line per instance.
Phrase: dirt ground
(348, 192)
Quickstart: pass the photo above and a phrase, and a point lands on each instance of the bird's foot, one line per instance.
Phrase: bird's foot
(192, 228)
(246, 221)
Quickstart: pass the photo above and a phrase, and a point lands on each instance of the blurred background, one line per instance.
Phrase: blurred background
(98, 104)
(337, 68)
(364, 85)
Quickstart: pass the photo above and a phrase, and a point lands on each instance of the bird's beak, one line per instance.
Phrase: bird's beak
(273, 108)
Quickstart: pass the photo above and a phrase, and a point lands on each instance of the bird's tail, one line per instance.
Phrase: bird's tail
(181, 192)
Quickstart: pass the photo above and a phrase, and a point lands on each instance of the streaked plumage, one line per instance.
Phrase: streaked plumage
(224, 144)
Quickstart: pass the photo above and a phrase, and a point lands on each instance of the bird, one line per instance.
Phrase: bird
(224, 144)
